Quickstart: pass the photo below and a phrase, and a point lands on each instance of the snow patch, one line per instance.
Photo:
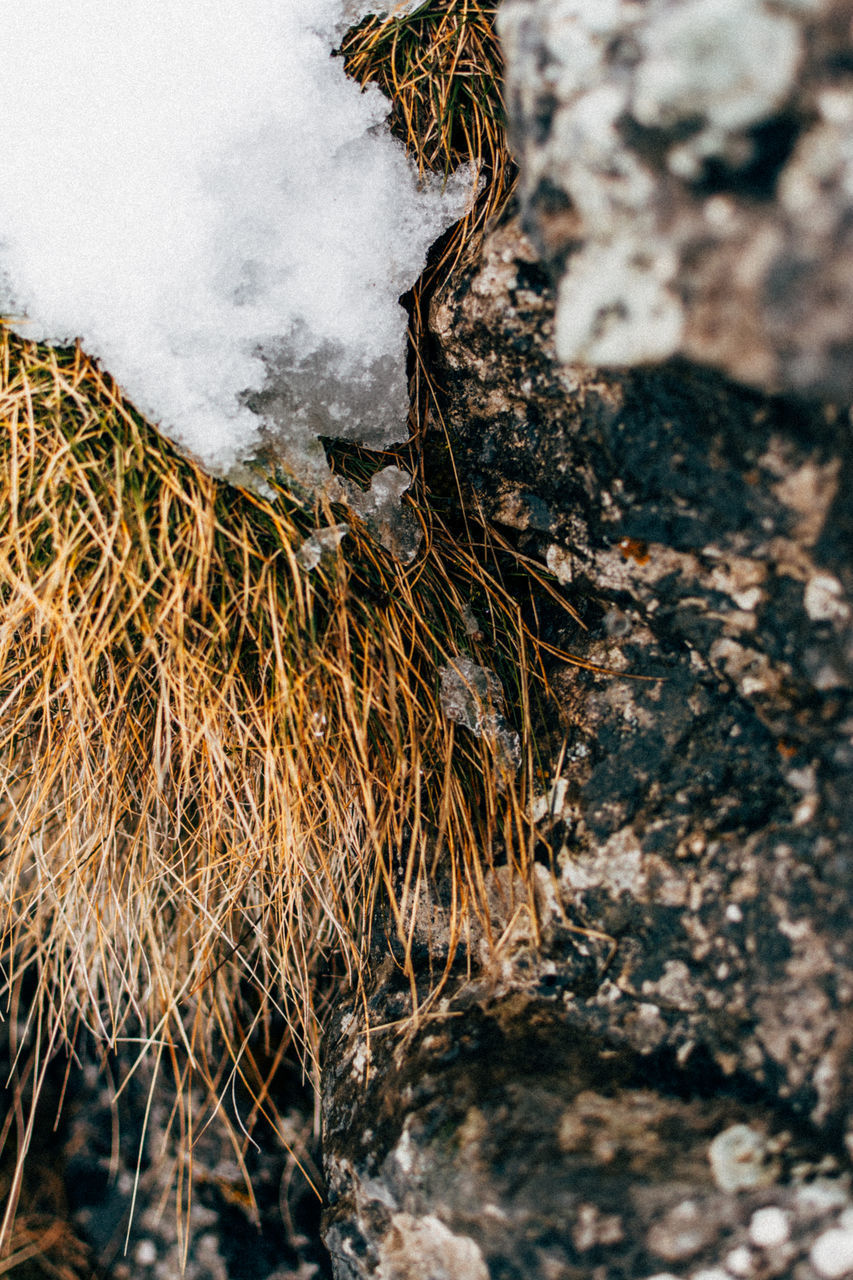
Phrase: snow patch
(200, 195)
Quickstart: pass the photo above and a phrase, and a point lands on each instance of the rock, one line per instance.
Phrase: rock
(708, 819)
(687, 172)
(500, 1142)
(673, 1059)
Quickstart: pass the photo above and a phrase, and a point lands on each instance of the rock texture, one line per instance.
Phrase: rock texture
(113, 1190)
(500, 1142)
(687, 171)
(706, 532)
(657, 1080)
(664, 1084)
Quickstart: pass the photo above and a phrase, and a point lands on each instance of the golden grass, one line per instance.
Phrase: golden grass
(217, 769)
(44, 1246)
(42, 1243)
(219, 772)
(442, 68)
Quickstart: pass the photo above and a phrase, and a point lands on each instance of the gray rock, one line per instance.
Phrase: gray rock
(500, 1142)
(704, 533)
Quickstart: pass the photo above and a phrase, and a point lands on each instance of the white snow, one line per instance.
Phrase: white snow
(198, 192)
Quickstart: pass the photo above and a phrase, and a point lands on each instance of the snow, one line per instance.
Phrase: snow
(199, 194)
(320, 543)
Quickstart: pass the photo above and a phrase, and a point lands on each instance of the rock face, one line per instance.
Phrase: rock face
(687, 170)
(667, 1081)
(658, 1080)
(508, 1145)
(703, 816)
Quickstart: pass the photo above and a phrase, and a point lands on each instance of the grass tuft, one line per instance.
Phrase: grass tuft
(218, 770)
(223, 777)
(442, 68)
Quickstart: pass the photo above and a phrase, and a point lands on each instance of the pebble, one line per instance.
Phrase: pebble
(769, 1227)
(832, 1253)
(739, 1261)
(822, 1195)
(145, 1253)
(739, 1161)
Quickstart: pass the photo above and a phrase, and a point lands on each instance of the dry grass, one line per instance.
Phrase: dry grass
(43, 1246)
(42, 1243)
(217, 769)
(441, 66)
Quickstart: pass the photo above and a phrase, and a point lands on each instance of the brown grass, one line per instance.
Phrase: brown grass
(217, 770)
(223, 777)
(442, 68)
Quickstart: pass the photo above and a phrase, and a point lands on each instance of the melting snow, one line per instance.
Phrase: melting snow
(200, 194)
(473, 696)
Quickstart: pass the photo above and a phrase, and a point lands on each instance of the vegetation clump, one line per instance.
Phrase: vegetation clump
(215, 763)
(441, 66)
(221, 763)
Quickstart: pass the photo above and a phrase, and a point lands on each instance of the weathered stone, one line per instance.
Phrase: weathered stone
(500, 1142)
(675, 1057)
(705, 534)
(687, 170)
